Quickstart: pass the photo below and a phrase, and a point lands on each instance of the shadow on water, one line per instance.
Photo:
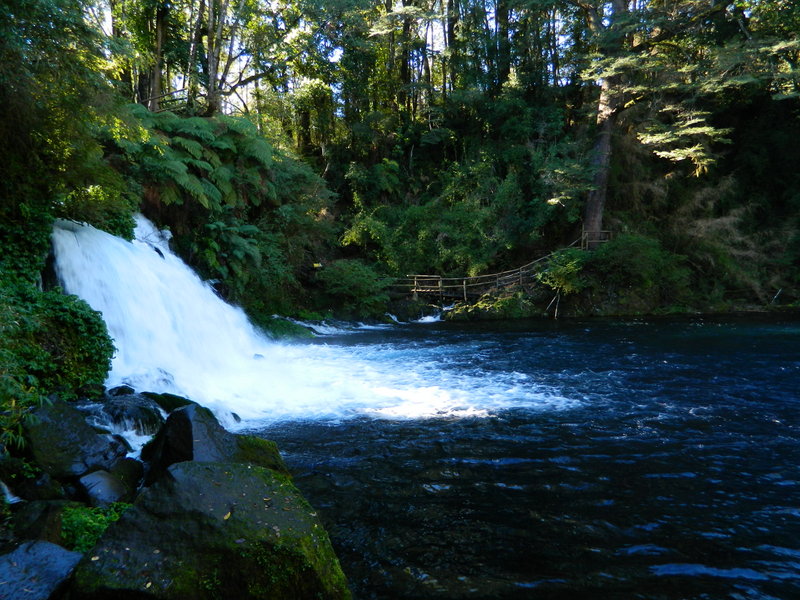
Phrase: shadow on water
(674, 474)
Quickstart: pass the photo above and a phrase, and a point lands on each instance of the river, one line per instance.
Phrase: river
(606, 459)
(602, 459)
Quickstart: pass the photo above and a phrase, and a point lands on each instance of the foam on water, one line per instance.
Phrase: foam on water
(174, 334)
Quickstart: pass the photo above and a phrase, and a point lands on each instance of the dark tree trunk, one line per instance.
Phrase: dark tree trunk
(503, 44)
(607, 107)
(156, 85)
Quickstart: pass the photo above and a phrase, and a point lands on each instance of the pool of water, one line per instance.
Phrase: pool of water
(599, 459)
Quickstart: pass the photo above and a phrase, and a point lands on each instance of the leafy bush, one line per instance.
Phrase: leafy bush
(354, 287)
(641, 266)
(564, 271)
(49, 343)
(82, 526)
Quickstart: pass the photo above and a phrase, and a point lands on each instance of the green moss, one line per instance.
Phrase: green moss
(261, 452)
(280, 328)
(82, 526)
(508, 306)
(168, 402)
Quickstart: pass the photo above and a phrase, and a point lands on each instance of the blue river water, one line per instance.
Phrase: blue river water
(653, 459)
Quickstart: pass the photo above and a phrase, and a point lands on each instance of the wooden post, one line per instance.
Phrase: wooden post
(464, 283)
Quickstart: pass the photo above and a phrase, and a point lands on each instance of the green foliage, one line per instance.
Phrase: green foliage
(564, 271)
(517, 305)
(243, 213)
(50, 343)
(354, 287)
(82, 526)
(105, 208)
(638, 267)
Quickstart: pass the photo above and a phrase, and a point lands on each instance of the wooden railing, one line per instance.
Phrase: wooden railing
(592, 239)
(466, 288)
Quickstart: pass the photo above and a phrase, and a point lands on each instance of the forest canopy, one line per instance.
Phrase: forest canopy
(446, 136)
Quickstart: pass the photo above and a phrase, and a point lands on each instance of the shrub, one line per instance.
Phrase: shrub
(82, 526)
(564, 271)
(50, 343)
(640, 265)
(355, 287)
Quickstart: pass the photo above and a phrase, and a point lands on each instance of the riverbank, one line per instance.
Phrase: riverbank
(197, 513)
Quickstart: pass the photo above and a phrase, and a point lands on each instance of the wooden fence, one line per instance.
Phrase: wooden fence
(467, 288)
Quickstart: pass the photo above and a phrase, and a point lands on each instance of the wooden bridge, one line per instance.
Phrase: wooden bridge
(471, 288)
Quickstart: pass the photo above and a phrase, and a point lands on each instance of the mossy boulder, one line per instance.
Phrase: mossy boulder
(193, 433)
(64, 445)
(214, 530)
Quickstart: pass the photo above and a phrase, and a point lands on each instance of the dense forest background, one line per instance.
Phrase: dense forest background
(302, 151)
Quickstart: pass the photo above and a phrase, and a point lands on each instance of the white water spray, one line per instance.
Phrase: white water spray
(174, 334)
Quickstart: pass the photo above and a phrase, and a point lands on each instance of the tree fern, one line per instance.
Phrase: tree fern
(241, 126)
(192, 184)
(257, 149)
(193, 147)
(211, 191)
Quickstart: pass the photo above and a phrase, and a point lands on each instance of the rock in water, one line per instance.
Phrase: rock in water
(102, 488)
(65, 445)
(211, 530)
(35, 570)
(193, 433)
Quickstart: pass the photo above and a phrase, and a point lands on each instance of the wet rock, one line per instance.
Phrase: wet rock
(209, 530)
(131, 473)
(102, 488)
(134, 412)
(64, 445)
(36, 570)
(120, 390)
(40, 520)
(27, 482)
(168, 402)
(193, 433)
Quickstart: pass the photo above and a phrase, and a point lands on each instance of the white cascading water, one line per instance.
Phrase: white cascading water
(174, 334)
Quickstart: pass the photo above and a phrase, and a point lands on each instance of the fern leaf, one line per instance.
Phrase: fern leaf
(200, 164)
(211, 191)
(193, 147)
(239, 125)
(192, 184)
(257, 149)
(223, 143)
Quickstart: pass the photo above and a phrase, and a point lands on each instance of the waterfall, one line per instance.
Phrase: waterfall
(173, 334)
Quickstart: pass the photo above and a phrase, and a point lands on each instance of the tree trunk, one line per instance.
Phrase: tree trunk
(601, 159)
(452, 41)
(156, 85)
(607, 107)
(503, 44)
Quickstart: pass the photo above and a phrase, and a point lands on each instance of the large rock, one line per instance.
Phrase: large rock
(211, 530)
(134, 412)
(28, 483)
(102, 488)
(35, 570)
(40, 520)
(65, 445)
(193, 433)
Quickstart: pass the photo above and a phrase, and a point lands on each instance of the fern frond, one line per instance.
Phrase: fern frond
(193, 147)
(192, 184)
(211, 191)
(258, 150)
(239, 125)
(200, 164)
